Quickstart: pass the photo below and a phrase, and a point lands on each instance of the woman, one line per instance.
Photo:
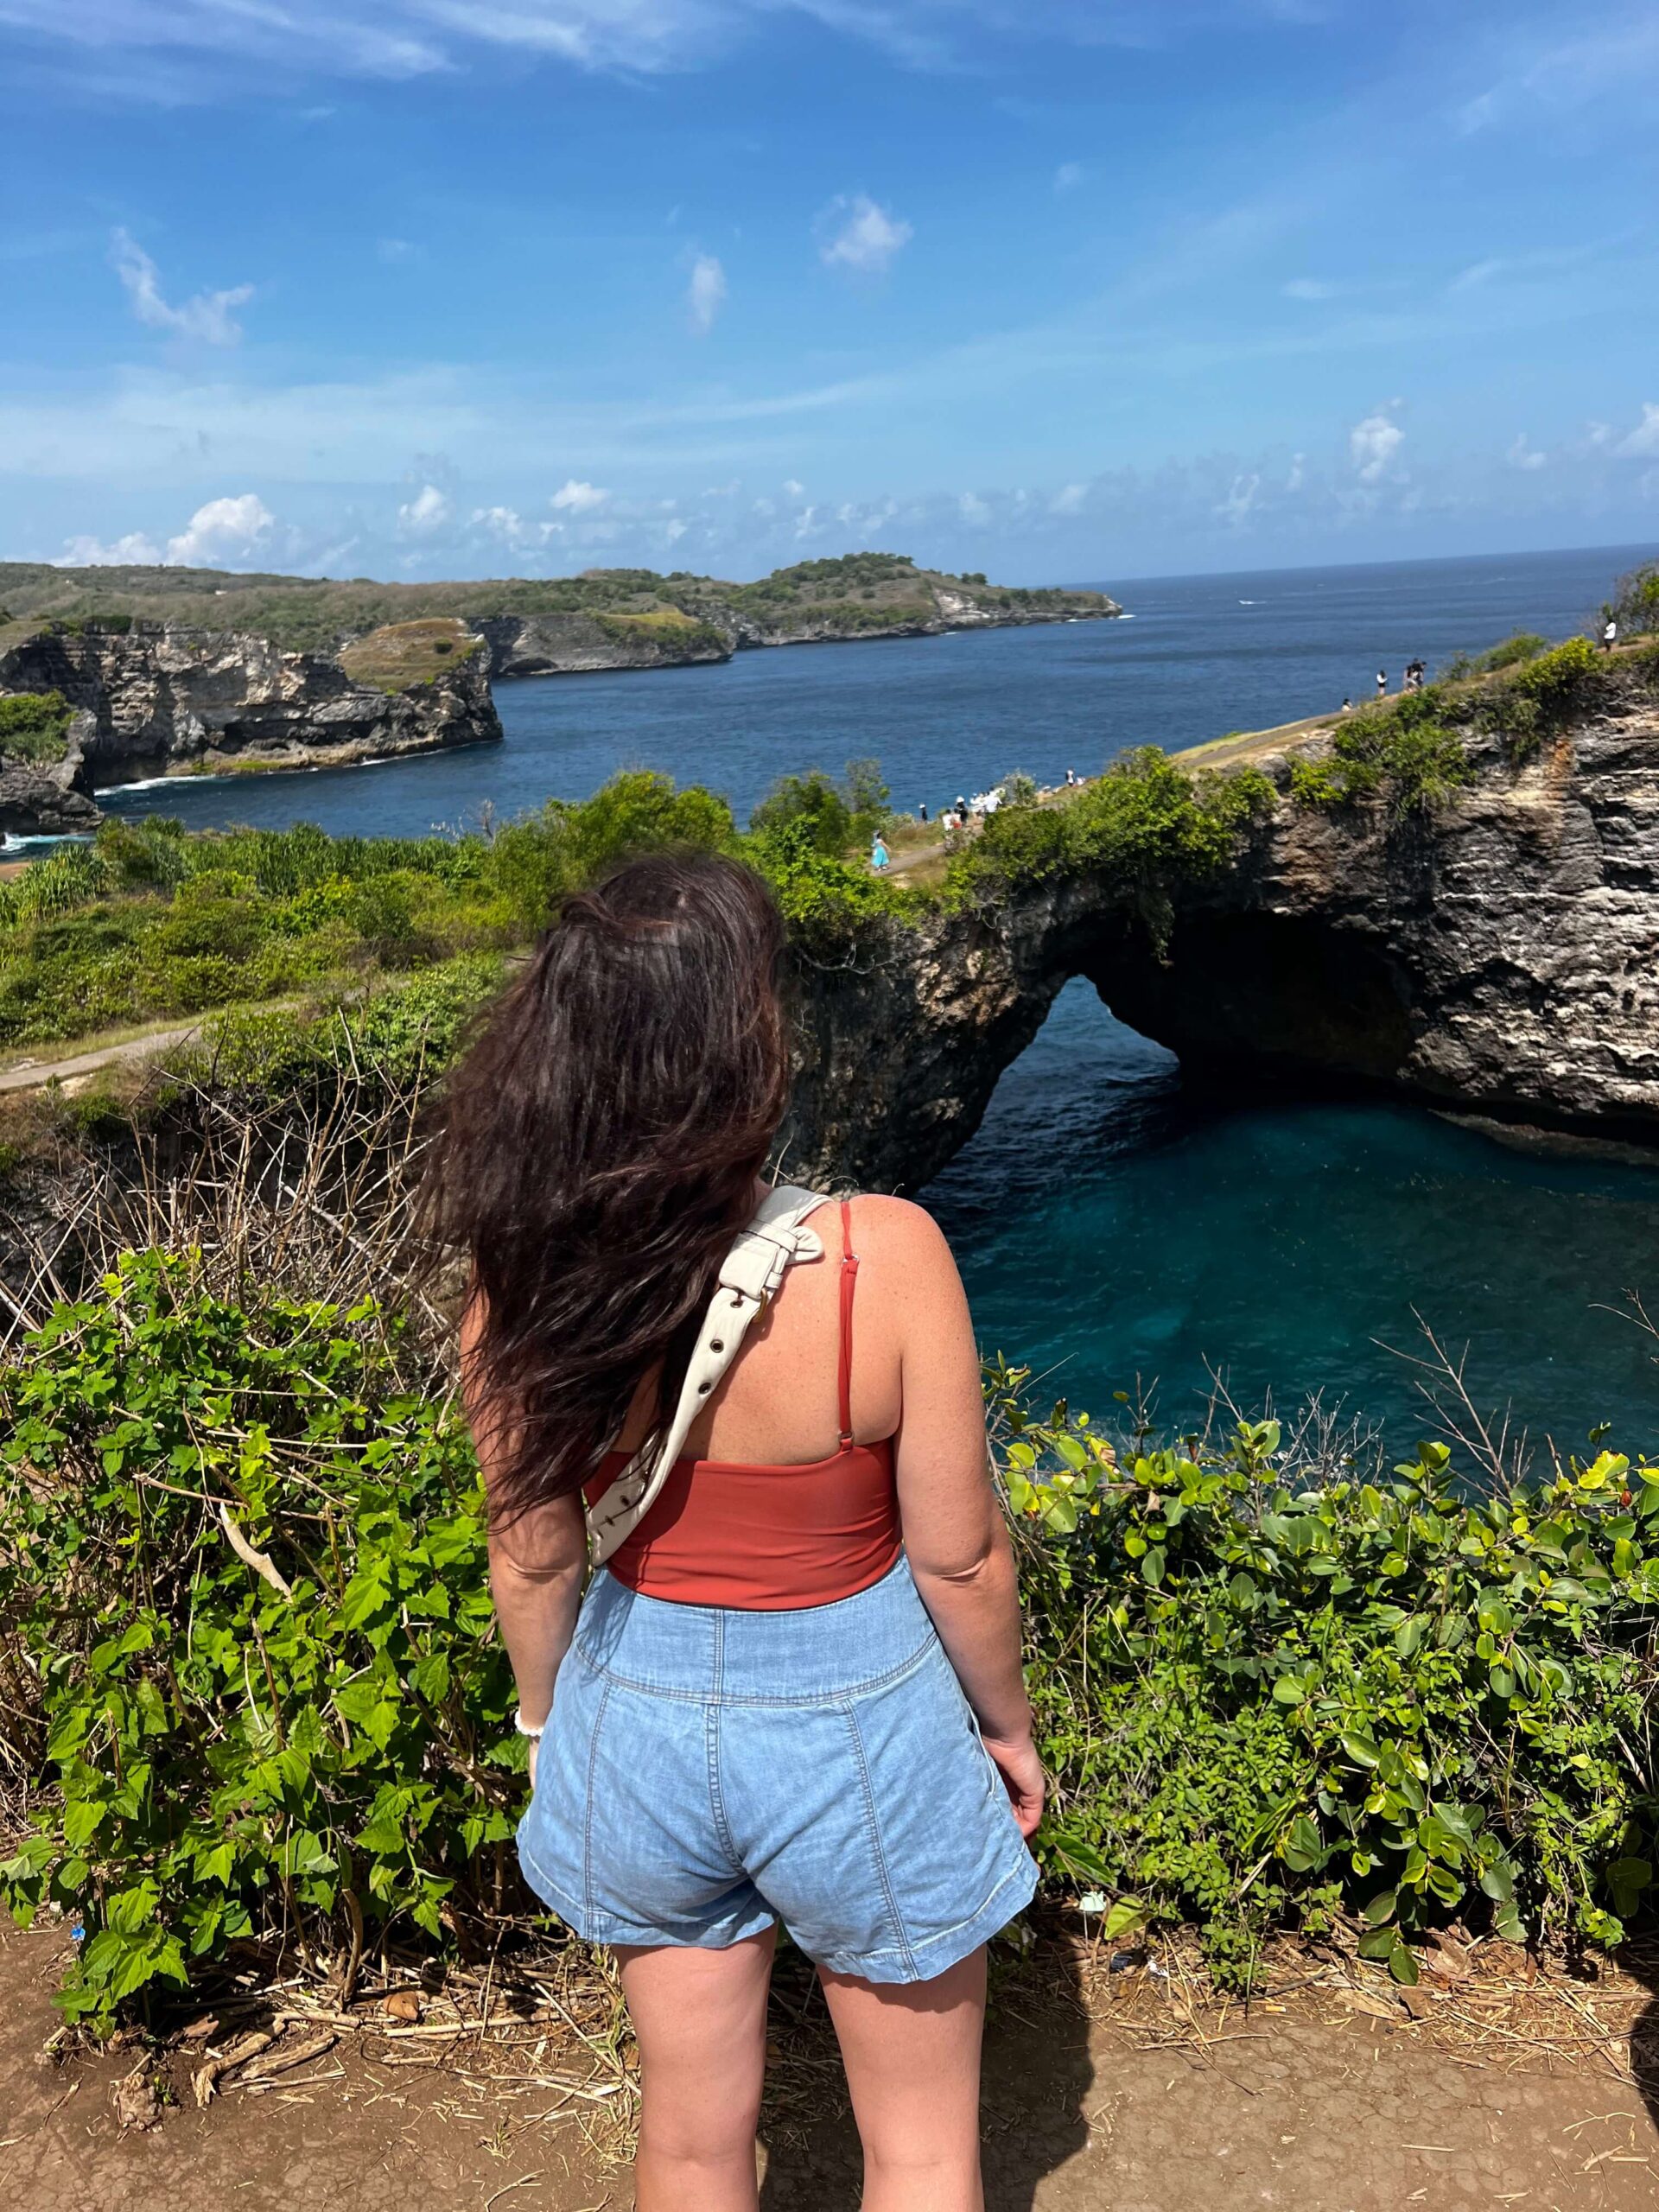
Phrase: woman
(793, 1691)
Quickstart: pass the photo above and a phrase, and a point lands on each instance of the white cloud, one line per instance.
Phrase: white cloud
(1373, 445)
(1642, 443)
(1235, 509)
(1069, 499)
(1522, 454)
(135, 551)
(576, 498)
(865, 236)
(973, 509)
(1308, 287)
(792, 487)
(676, 530)
(705, 294)
(207, 317)
(224, 530)
(425, 512)
(1068, 176)
(1476, 273)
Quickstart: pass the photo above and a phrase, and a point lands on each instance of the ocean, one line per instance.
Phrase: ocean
(1118, 1230)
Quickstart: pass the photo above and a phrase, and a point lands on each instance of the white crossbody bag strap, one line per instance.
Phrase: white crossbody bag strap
(749, 1275)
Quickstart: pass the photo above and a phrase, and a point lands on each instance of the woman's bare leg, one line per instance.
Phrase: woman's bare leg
(701, 2020)
(911, 2054)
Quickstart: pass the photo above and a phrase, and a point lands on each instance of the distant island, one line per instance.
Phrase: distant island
(108, 675)
(603, 618)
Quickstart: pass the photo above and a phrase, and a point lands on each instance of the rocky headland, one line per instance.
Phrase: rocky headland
(142, 699)
(167, 671)
(1496, 954)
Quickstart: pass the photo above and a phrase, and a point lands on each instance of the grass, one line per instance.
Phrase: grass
(398, 655)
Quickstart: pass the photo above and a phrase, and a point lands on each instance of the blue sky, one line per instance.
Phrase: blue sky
(1062, 290)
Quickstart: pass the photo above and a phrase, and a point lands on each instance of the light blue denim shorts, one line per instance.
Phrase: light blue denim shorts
(705, 1772)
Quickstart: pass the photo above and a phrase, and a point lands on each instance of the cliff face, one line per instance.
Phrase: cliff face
(159, 700)
(1500, 956)
(580, 645)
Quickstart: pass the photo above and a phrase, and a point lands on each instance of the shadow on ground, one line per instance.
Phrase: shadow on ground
(1038, 2074)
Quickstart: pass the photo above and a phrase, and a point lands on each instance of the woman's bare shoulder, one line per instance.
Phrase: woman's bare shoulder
(898, 1230)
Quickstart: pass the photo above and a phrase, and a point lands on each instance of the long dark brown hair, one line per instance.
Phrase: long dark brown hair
(597, 1154)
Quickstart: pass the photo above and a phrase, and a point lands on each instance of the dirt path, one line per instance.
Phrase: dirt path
(33, 1074)
(1289, 2109)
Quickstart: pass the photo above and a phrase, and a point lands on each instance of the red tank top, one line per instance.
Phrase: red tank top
(763, 1539)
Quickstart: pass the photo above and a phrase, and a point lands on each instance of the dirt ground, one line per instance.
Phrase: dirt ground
(1103, 2089)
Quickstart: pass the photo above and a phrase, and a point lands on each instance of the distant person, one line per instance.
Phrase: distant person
(880, 856)
(1072, 779)
(1381, 683)
(921, 813)
(1347, 707)
(1609, 634)
(962, 808)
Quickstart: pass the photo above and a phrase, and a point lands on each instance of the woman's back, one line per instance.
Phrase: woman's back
(778, 1404)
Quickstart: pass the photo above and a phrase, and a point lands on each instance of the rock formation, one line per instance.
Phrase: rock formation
(156, 699)
(1499, 955)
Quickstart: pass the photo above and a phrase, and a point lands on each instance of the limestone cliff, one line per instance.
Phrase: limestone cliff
(159, 699)
(1499, 955)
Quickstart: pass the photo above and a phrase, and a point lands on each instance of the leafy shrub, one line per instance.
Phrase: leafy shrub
(838, 816)
(1147, 825)
(1266, 1694)
(1405, 753)
(1636, 602)
(296, 1752)
(34, 726)
(1509, 652)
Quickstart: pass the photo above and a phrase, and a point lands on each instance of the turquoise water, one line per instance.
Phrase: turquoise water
(1119, 1232)
(1116, 1229)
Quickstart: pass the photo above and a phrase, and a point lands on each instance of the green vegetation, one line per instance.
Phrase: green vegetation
(149, 922)
(1147, 824)
(1412, 751)
(322, 1743)
(858, 594)
(248, 1664)
(1636, 602)
(1404, 751)
(34, 726)
(1273, 1691)
(1509, 652)
(836, 818)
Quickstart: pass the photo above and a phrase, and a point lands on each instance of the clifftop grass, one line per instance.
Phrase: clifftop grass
(400, 655)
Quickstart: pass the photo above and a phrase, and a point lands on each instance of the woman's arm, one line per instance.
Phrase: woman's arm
(955, 1535)
(536, 1562)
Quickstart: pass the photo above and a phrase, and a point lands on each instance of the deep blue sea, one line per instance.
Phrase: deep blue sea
(1116, 1229)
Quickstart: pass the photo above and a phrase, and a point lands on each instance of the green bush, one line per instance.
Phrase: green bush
(1509, 652)
(34, 726)
(1636, 602)
(246, 1653)
(838, 816)
(1407, 752)
(1147, 825)
(1267, 1693)
(297, 1752)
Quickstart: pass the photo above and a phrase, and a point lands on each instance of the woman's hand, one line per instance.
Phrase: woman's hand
(1023, 1778)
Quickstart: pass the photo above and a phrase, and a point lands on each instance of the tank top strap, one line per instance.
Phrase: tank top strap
(848, 1285)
